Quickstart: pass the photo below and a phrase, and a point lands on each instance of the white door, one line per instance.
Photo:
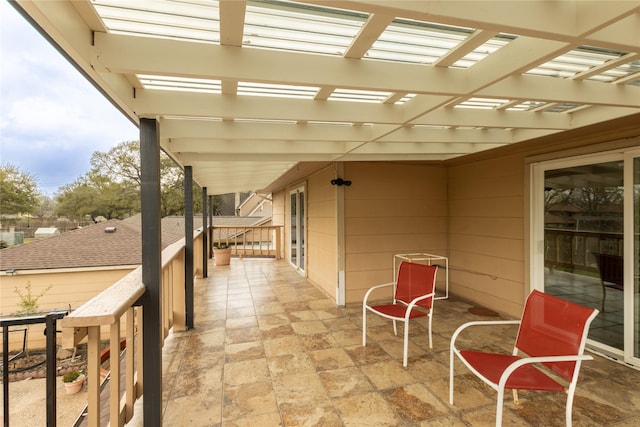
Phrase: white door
(585, 223)
(632, 268)
(297, 231)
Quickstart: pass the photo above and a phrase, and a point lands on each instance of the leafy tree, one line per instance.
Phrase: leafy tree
(46, 207)
(112, 187)
(120, 163)
(18, 190)
(78, 199)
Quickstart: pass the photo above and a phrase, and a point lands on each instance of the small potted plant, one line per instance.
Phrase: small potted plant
(73, 381)
(222, 253)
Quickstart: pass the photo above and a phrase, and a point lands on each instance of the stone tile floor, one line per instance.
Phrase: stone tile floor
(271, 349)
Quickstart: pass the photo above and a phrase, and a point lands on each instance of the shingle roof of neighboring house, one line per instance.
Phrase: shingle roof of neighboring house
(84, 247)
(92, 246)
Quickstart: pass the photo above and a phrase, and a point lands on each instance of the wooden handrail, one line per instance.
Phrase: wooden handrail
(108, 306)
(114, 308)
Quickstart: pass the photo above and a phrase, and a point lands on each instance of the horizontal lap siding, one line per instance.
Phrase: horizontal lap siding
(390, 208)
(322, 237)
(68, 289)
(486, 204)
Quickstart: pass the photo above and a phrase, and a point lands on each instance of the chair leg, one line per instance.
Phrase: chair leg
(430, 338)
(569, 408)
(406, 342)
(500, 400)
(364, 327)
(515, 397)
(451, 361)
(395, 328)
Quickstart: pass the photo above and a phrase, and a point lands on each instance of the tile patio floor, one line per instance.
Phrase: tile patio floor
(270, 349)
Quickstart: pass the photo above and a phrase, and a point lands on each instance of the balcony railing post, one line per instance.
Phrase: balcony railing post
(129, 365)
(151, 269)
(114, 380)
(51, 322)
(5, 373)
(93, 376)
(278, 243)
(139, 315)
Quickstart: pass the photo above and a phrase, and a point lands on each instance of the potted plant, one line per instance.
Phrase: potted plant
(222, 253)
(73, 381)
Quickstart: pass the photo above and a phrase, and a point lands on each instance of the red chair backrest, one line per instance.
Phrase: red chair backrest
(415, 280)
(552, 326)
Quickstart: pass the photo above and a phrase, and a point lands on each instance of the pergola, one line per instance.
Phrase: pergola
(245, 94)
(245, 90)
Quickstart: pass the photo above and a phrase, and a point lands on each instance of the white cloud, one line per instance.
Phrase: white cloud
(51, 118)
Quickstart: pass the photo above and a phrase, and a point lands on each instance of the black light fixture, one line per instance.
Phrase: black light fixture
(340, 182)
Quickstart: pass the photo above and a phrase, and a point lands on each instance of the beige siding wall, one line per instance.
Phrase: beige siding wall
(390, 208)
(321, 244)
(489, 216)
(472, 209)
(67, 289)
(486, 205)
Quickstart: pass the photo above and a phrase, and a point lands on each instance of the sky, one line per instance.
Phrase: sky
(51, 118)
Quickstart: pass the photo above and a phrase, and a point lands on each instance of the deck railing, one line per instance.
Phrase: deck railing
(573, 250)
(114, 316)
(114, 313)
(260, 241)
(50, 320)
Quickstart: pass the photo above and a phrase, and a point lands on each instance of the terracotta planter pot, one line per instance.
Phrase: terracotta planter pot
(75, 386)
(222, 256)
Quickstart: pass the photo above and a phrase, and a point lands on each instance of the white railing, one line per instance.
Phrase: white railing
(111, 314)
(261, 241)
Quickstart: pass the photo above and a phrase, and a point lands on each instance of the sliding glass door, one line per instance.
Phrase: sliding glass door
(585, 248)
(296, 231)
(633, 294)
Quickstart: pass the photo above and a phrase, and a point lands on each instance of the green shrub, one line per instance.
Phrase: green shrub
(70, 377)
(28, 301)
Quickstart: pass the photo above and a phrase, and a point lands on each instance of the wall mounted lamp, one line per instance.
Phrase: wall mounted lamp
(340, 182)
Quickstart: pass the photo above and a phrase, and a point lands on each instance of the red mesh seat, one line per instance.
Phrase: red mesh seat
(413, 297)
(553, 332)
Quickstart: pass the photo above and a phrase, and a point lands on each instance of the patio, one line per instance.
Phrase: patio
(270, 349)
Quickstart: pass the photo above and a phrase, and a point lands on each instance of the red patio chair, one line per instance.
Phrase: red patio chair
(413, 297)
(552, 332)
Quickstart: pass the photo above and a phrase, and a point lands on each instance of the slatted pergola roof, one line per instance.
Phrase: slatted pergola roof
(246, 90)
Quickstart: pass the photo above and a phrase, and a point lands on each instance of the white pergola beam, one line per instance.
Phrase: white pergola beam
(232, 13)
(475, 40)
(368, 34)
(134, 55)
(244, 147)
(178, 128)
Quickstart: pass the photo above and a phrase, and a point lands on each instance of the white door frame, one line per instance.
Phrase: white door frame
(300, 228)
(536, 236)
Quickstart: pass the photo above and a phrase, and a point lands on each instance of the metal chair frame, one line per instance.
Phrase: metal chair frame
(413, 295)
(552, 332)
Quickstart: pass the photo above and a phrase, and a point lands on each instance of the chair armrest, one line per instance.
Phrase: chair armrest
(415, 301)
(541, 359)
(478, 323)
(366, 296)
